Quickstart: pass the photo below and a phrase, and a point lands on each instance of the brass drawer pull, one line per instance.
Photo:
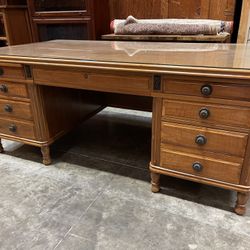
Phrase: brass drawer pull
(197, 167)
(206, 90)
(8, 108)
(3, 88)
(13, 128)
(204, 113)
(200, 140)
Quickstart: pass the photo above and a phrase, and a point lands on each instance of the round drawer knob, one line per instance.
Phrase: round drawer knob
(1, 71)
(3, 88)
(197, 167)
(200, 140)
(12, 128)
(204, 113)
(206, 90)
(8, 108)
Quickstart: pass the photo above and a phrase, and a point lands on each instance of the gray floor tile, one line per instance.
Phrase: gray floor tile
(76, 243)
(41, 212)
(36, 232)
(139, 227)
(138, 190)
(81, 170)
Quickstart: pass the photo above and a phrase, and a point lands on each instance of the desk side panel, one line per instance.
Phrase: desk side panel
(58, 110)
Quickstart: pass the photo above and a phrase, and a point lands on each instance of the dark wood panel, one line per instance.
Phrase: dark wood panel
(189, 9)
(138, 8)
(12, 2)
(62, 5)
(17, 26)
(143, 103)
(214, 9)
(222, 9)
(77, 106)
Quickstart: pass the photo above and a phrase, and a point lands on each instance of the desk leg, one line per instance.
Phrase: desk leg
(1, 146)
(241, 202)
(46, 155)
(155, 182)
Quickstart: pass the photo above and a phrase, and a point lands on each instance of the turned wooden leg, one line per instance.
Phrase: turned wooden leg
(155, 182)
(1, 146)
(46, 155)
(240, 207)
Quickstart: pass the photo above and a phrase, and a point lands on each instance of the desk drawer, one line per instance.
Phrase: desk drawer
(201, 166)
(207, 113)
(17, 128)
(204, 139)
(15, 109)
(12, 71)
(203, 89)
(126, 84)
(11, 89)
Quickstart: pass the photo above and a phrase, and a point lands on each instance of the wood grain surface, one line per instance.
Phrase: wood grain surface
(214, 9)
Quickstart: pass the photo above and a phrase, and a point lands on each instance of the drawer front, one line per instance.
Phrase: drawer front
(15, 109)
(138, 85)
(203, 89)
(204, 139)
(201, 166)
(17, 128)
(12, 71)
(207, 113)
(10, 89)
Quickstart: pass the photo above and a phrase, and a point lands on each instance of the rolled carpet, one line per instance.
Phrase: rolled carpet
(133, 26)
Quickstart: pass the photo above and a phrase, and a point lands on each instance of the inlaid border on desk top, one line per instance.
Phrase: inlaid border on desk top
(132, 67)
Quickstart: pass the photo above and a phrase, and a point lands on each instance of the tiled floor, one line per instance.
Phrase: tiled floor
(96, 195)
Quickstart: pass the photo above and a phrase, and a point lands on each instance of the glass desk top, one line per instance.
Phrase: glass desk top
(227, 56)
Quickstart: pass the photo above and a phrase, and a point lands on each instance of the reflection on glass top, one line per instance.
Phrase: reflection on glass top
(153, 53)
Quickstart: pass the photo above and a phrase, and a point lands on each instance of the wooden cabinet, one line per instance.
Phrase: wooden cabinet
(200, 133)
(76, 20)
(14, 23)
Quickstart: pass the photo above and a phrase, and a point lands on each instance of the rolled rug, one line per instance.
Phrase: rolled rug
(133, 26)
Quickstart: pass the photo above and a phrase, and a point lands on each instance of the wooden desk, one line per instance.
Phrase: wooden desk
(200, 94)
